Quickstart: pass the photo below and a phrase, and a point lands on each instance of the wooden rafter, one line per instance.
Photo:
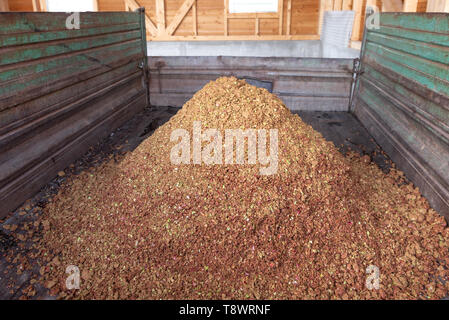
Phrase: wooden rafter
(180, 14)
(160, 16)
(133, 5)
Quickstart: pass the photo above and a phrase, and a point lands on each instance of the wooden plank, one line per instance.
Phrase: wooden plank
(392, 5)
(338, 5)
(43, 5)
(180, 14)
(23, 53)
(346, 5)
(403, 98)
(281, 15)
(237, 37)
(437, 6)
(63, 95)
(4, 6)
(133, 6)
(95, 5)
(195, 19)
(36, 5)
(410, 6)
(358, 20)
(150, 25)
(244, 15)
(225, 16)
(160, 16)
(257, 22)
(321, 15)
(11, 23)
(34, 37)
(328, 5)
(289, 16)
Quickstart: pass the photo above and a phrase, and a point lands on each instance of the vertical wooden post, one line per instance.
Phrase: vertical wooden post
(338, 5)
(281, 15)
(225, 15)
(36, 5)
(95, 5)
(43, 5)
(357, 6)
(4, 6)
(257, 26)
(321, 15)
(410, 6)
(160, 16)
(437, 6)
(289, 16)
(195, 19)
(347, 5)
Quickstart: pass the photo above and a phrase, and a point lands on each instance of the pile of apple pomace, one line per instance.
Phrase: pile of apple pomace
(144, 228)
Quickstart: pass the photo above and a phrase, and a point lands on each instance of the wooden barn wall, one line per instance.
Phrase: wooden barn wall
(403, 98)
(63, 90)
(205, 19)
(302, 83)
(21, 5)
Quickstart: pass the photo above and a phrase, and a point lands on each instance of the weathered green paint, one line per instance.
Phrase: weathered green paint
(416, 48)
(428, 22)
(429, 38)
(402, 97)
(436, 110)
(427, 74)
(71, 69)
(62, 90)
(29, 38)
(88, 57)
(22, 22)
(37, 52)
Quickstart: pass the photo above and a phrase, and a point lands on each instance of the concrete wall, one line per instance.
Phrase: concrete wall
(277, 48)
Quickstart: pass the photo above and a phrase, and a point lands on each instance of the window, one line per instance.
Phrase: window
(253, 6)
(70, 6)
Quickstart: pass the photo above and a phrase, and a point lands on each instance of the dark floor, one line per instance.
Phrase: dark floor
(347, 133)
(18, 279)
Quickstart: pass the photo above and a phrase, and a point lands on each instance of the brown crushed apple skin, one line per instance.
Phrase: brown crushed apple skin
(146, 229)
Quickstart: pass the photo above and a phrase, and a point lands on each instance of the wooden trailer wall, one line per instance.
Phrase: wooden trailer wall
(302, 83)
(62, 90)
(403, 97)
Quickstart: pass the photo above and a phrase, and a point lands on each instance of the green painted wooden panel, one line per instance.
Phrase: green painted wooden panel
(61, 90)
(22, 22)
(33, 37)
(402, 96)
(424, 22)
(32, 52)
